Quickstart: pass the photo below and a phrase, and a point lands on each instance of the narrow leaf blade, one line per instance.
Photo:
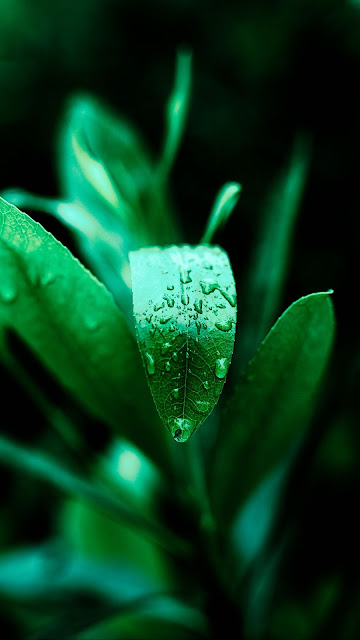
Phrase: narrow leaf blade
(273, 401)
(185, 315)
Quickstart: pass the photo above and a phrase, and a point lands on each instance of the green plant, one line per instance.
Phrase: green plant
(155, 539)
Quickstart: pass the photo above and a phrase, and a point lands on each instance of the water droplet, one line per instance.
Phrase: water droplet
(150, 364)
(169, 301)
(185, 298)
(202, 406)
(221, 306)
(182, 429)
(149, 316)
(208, 286)
(165, 348)
(165, 319)
(8, 293)
(221, 367)
(172, 327)
(170, 287)
(175, 393)
(175, 356)
(198, 326)
(167, 366)
(91, 323)
(206, 384)
(187, 354)
(204, 325)
(229, 297)
(47, 278)
(224, 326)
(159, 305)
(198, 305)
(152, 330)
(185, 276)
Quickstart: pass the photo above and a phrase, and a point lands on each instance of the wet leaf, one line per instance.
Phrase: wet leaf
(73, 325)
(272, 404)
(185, 314)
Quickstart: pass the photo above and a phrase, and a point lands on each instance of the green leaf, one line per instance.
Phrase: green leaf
(104, 166)
(273, 402)
(185, 315)
(73, 325)
(268, 268)
(223, 207)
(176, 113)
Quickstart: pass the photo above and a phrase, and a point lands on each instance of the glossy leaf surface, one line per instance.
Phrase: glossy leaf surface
(185, 315)
(72, 323)
(270, 407)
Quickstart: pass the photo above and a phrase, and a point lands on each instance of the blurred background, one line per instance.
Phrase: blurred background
(263, 72)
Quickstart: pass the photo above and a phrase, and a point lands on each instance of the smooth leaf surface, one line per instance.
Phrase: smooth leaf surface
(104, 163)
(185, 315)
(223, 207)
(272, 403)
(268, 268)
(72, 323)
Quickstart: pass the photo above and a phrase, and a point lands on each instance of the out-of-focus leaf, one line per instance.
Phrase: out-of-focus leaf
(271, 406)
(80, 592)
(185, 315)
(104, 166)
(72, 323)
(176, 113)
(267, 272)
(44, 468)
(224, 204)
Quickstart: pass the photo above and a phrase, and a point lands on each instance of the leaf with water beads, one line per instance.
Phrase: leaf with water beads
(185, 315)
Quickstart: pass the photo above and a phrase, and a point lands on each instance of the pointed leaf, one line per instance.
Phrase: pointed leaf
(72, 323)
(273, 402)
(185, 315)
(105, 167)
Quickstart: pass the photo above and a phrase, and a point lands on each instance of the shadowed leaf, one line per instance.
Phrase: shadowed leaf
(271, 406)
(72, 323)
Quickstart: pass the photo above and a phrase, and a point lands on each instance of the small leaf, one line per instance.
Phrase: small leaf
(72, 323)
(176, 113)
(271, 406)
(224, 204)
(268, 268)
(185, 315)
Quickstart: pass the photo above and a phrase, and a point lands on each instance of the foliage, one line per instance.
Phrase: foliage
(150, 538)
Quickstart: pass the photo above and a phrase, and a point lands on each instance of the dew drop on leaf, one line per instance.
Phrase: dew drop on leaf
(185, 276)
(229, 297)
(167, 366)
(165, 348)
(165, 319)
(8, 293)
(224, 326)
(175, 393)
(221, 367)
(150, 364)
(91, 323)
(198, 305)
(182, 429)
(208, 286)
(170, 287)
(185, 298)
(48, 277)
